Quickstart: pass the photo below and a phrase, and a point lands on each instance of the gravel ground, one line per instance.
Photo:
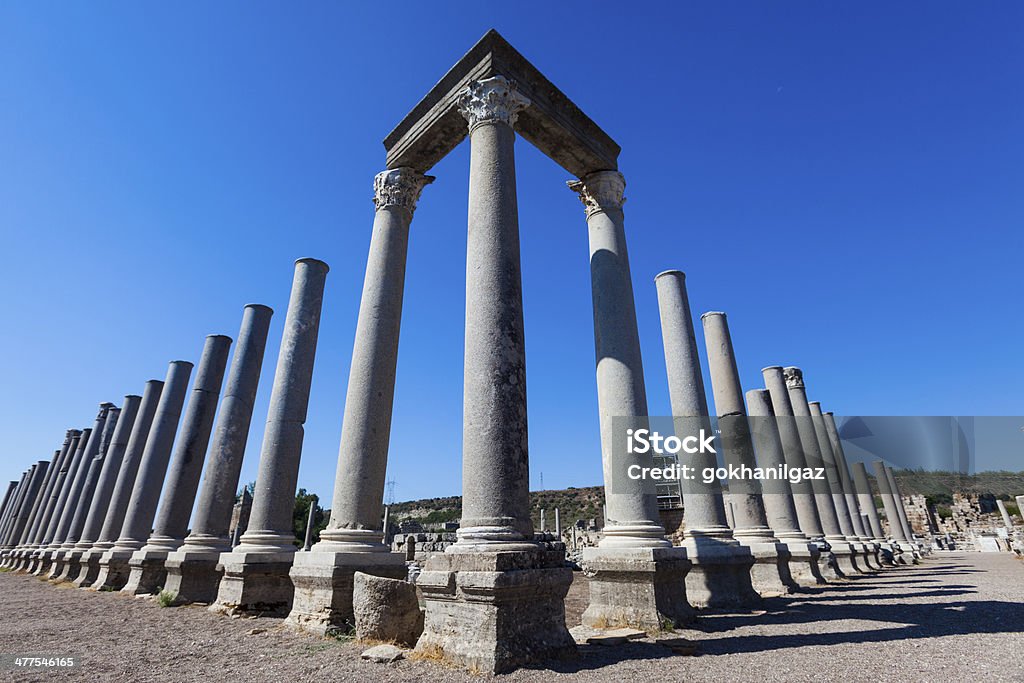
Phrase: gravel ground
(959, 616)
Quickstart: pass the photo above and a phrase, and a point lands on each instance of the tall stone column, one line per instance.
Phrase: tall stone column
(720, 575)
(192, 570)
(496, 533)
(12, 512)
(39, 521)
(852, 503)
(69, 556)
(633, 533)
(8, 500)
(353, 539)
(1007, 520)
(770, 574)
(112, 461)
(887, 492)
(843, 512)
(901, 512)
(113, 574)
(33, 483)
(138, 518)
(843, 554)
(779, 504)
(147, 572)
(40, 562)
(74, 498)
(17, 555)
(867, 503)
(256, 571)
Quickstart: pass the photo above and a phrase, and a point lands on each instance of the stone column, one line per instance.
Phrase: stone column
(843, 555)
(17, 555)
(886, 491)
(633, 523)
(69, 555)
(867, 503)
(8, 501)
(779, 503)
(901, 512)
(53, 477)
(150, 477)
(256, 571)
(1020, 505)
(353, 539)
(33, 483)
(192, 573)
(12, 512)
(770, 574)
(720, 575)
(148, 574)
(310, 521)
(863, 533)
(112, 461)
(40, 562)
(113, 574)
(494, 631)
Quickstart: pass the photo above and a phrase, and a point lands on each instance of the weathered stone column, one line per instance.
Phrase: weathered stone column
(1020, 504)
(192, 573)
(633, 536)
(69, 555)
(779, 504)
(112, 575)
(112, 461)
(12, 512)
(1007, 520)
(770, 574)
(53, 477)
(900, 541)
(495, 551)
(846, 482)
(867, 503)
(147, 573)
(8, 502)
(843, 554)
(256, 572)
(352, 540)
(33, 483)
(39, 560)
(138, 518)
(17, 555)
(901, 513)
(720, 575)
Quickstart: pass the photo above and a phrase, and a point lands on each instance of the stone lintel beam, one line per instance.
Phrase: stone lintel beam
(552, 123)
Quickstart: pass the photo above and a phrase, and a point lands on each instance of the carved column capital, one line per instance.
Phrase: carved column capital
(492, 100)
(399, 187)
(600, 191)
(794, 378)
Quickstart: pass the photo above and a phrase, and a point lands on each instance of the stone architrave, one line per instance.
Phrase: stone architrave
(633, 538)
(111, 576)
(149, 479)
(770, 574)
(494, 599)
(779, 504)
(69, 554)
(843, 555)
(192, 570)
(871, 549)
(720, 572)
(256, 571)
(353, 539)
(112, 462)
(147, 573)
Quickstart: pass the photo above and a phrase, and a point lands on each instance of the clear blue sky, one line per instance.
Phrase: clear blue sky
(845, 180)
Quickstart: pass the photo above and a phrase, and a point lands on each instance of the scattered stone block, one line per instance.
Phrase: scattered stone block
(383, 654)
(386, 609)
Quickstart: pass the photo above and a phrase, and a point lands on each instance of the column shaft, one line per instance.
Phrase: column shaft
(779, 506)
(48, 525)
(92, 476)
(832, 471)
(867, 501)
(888, 494)
(901, 511)
(845, 481)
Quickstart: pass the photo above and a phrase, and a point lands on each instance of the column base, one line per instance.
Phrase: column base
(643, 588)
(886, 557)
(255, 583)
(719, 577)
(72, 565)
(770, 575)
(193, 576)
(804, 563)
(323, 587)
(493, 612)
(43, 562)
(58, 566)
(114, 570)
(845, 555)
(869, 553)
(89, 565)
(146, 572)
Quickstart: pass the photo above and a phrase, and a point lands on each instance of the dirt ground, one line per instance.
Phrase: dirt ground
(959, 616)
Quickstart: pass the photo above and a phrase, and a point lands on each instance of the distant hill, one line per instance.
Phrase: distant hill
(586, 503)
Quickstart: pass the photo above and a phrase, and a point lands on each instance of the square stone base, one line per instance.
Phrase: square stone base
(720, 575)
(770, 575)
(57, 565)
(89, 569)
(71, 567)
(42, 565)
(146, 573)
(868, 560)
(255, 583)
(643, 588)
(323, 587)
(804, 563)
(193, 576)
(493, 612)
(114, 570)
(846, 558)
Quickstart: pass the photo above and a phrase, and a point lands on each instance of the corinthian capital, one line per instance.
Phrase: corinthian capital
(794, 378)
(600, 191)
(399, 187)
(492, 100)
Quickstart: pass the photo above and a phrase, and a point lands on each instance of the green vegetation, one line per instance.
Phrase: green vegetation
(166, 598)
